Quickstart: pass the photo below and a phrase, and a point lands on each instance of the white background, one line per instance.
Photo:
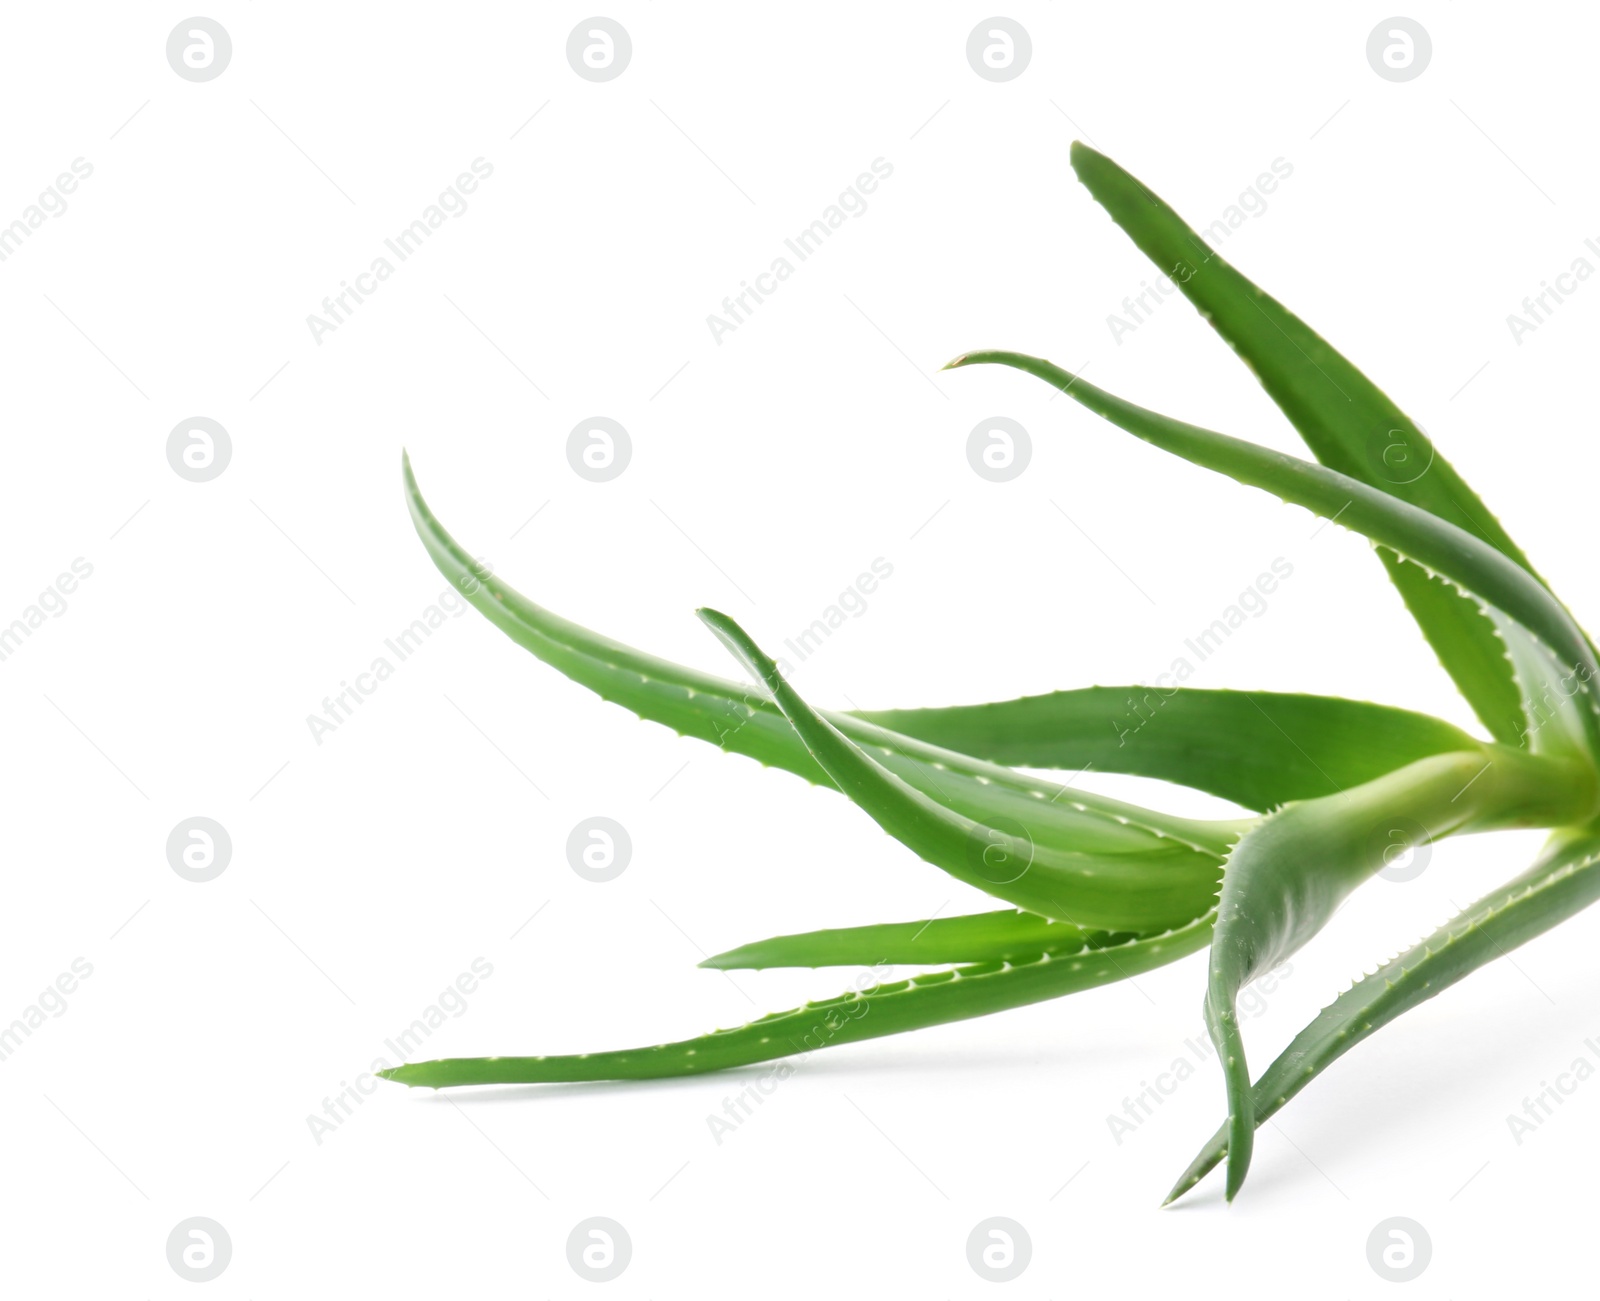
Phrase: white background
(768, 470)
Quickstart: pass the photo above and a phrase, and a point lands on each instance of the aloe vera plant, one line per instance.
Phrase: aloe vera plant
(1100, 890)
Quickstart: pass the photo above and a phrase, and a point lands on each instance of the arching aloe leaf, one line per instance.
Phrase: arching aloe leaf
(1562, 882)
(1131, 869)
(928, 1000)
(1349, 424)
(1285, 879)
(1006, 936)
(1414, 533)
(1002, 860)
(1257, 748)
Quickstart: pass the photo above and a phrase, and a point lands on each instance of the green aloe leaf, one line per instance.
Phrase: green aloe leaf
(1285, 879)
(1004, 861)
(1551, 699)
(1472, 564)
(1562, 882)
(1131, 869)
(932, 999)
(1005, 936)
(1260, 749)
(1349, 424)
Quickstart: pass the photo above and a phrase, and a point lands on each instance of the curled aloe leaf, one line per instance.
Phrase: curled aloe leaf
(1561, 883)
(1006, 862)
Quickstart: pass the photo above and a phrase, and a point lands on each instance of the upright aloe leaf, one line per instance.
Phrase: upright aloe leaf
(1562, 882)
(1349, 424)
(1257, 748)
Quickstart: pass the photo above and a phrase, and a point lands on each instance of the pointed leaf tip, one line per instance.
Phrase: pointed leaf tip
(742, 645)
